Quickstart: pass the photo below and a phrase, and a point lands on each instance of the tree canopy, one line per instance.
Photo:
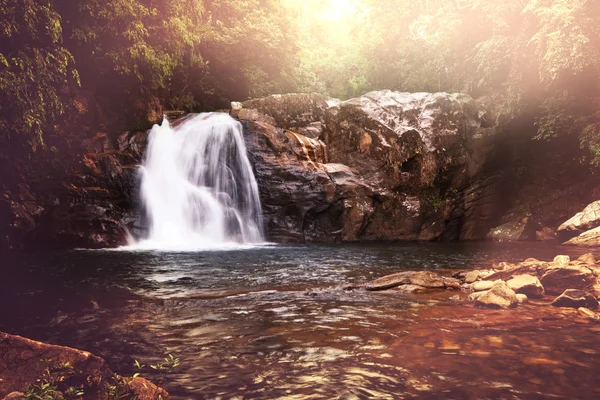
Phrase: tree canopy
(535, 57)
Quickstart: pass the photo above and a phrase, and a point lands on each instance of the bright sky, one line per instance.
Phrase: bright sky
(330, 10)
(337, 10)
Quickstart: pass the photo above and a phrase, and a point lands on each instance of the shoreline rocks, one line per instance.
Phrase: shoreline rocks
(575, 283)
(25, 362)
(499, 296)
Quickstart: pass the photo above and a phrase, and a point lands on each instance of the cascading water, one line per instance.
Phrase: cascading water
(197, 186)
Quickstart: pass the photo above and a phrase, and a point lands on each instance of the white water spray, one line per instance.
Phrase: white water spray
(198, 188)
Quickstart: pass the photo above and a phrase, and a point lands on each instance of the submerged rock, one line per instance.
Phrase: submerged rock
(499, 296)
(24, 363)
(423, 279)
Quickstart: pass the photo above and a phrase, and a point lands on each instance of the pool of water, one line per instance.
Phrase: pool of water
(275, 322)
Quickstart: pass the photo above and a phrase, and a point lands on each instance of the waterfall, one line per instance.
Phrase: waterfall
(197, 185)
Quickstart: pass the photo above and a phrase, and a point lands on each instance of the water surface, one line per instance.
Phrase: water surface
(275, 322)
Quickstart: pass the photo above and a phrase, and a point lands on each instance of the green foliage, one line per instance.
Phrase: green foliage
(34, 68)
(47, 388)
(169, 364)
(119, 389)
(535, 57)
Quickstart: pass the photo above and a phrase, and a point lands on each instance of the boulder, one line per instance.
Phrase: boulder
(21, 366)
(561, 261)
(527, 285)
(404, 145)
(423, 279)
(475, 295)
(589, 238)
(557, 280)
(581, 222)
(472, 276)
(574, 298)
(499, 296)
(588, 259)
(545, 234)
(480, 286)
(530, 266)
(519, 230)
(291, 111)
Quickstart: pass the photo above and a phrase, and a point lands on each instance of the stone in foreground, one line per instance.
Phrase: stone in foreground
(527, 285)
(499, 296)
(574, 298)
(21, 367)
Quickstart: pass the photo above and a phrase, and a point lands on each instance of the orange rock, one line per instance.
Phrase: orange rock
(586, 312)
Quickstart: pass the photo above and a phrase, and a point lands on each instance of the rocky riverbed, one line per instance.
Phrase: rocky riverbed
(562, 282)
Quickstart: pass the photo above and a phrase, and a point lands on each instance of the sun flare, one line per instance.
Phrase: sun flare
(330, 10)
(338, 10)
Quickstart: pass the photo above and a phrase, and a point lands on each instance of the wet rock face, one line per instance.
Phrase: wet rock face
(301, 112)
(385, 134)
(298, 196)
(21, 366)
(92, 206)
(387, 166)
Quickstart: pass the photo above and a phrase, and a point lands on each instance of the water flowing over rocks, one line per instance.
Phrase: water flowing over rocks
(383, 166)
(21, 367)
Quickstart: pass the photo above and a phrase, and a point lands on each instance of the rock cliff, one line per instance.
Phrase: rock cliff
(384, 166)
